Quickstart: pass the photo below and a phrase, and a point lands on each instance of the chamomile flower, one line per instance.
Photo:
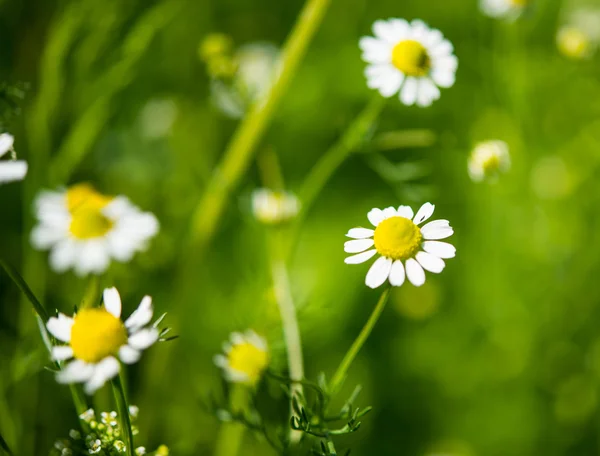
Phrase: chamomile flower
(84, 229)
(503, 9)
(246, 358)
(488, 160)
(272, 207)
(10, 170)
(408, 58)
(405, 249)
(96, 339)
(578, 38)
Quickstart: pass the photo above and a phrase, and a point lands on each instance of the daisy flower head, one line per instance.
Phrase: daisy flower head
(405, 249)
(10, 170)
(504, 9)
(410, 59)
(95, 339)
(84, 229)
(488, 160)
(245, 358)
(273, 207)
(579, 36)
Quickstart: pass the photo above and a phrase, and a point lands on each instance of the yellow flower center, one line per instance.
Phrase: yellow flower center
(519, 3)
(573, 43)
(85, 206)
(491, 165)
(249, 359)
(397, 238)
(411, 57)
(96, 334)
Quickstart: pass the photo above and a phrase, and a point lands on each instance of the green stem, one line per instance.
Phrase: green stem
(91, 292)
(123, 411)
(340, 373)
(230, 439)
(243, 144)
(349, 142)
(20, 282)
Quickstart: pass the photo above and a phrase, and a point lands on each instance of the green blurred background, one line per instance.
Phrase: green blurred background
(499, 355)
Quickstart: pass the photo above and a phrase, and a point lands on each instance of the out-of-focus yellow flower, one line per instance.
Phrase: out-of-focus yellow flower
(574, 43)
(215, 45)
(246, 358)
(488, 160)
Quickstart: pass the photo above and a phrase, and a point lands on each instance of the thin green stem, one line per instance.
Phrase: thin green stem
(340, 374)
(92, 290)
(123, 411)
(230, 439)
(20, 282)
(249, 133)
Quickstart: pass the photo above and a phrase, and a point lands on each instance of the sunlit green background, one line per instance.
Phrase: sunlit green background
(499, 355)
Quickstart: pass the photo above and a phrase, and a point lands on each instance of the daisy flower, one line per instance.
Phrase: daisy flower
(84, 229)
(404, 248)
(503, 9)
(11, 170)
(488, 160)
(96, 338)
(246, 358)
(271, 207)
(408, 58)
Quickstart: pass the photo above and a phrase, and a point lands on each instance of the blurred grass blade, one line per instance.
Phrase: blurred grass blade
(123, 411)
(4, 446)
(402, 139)
(20, 282)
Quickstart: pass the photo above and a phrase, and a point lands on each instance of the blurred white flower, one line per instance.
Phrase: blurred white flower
(503, 9)
(10, 170)
(488, 160)
(84, 229)
(405, 249)
(157, 118)
(409, 58)
(579, 37)
(257, 66)
(96, 338)
(272, 207)
(246, 358)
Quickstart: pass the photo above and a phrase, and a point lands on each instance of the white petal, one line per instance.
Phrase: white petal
(358, 245)
(6, 143)
(62, 352)
(43, 236)
(60, 327)
(391, 84)
(13, 170)
(374, 50)
(375, 216)
(430, 262)
(438, 229)
(389, 212)
(406, 212)
(443, 49)
(361, 257)
(427, 93)
(75, 371)
(408, 94)
(220, 361)
(360, 233)
(93, 258)
(103, 371)
(397, 274)
(379, 272)
(63, 255)
(423, 213)
(439, 249)
(415, 272)
(112, 301)
(141, 316)
(129, 355)
(443, 78)
(387, 31)
(143, 339)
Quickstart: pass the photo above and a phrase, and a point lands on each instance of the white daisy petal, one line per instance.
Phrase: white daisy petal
(360, 233)
(129, 355)
(361, 257)
(391, 84)
(374, 50)
(62, 352)
(397, 274)
(387, 31)
(424, 213)
(141, 316)
(443, 78)
(112, 301)
(379, 272)
(437, 229)
(408, 93)
(220, 361)
(60, 327)
(358, 245)
(14, 170)
(105, 370)
(63, 255)
(439, 249)
(430, 262)
(143, 339)
(406, 212)
(443, 49)
(75, 372)
(427, 93)
(415, 272)
(6, 143)
(375, 216)
(389, 212)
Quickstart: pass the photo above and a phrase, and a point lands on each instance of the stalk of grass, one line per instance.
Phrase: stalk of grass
(123, 411)
(249, 133)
